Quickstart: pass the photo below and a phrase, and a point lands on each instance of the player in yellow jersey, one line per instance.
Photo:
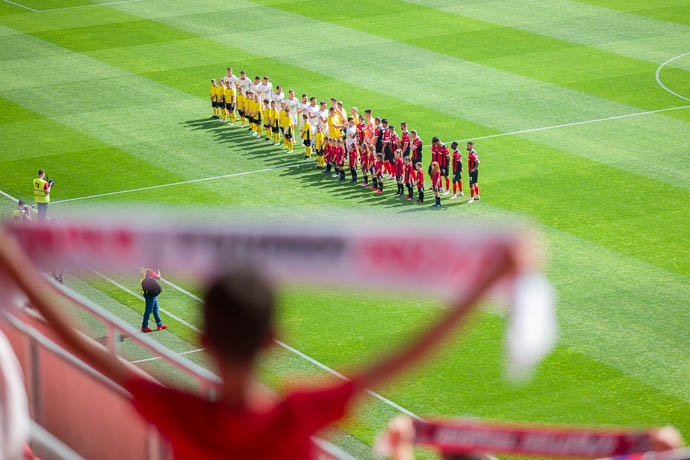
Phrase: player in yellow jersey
(230, 102)
(249, 110)
(259, 113)
(288, 132)
(221, 100)
(267, 120)
(240, 104)
(275, 123)
(306, 136)
(334, 125)
(319, 144)
(214, 97)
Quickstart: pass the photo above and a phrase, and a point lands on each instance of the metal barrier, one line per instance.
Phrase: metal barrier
(62, 390)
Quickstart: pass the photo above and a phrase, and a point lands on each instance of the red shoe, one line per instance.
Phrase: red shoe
(373, 188)
(408, 198)
(379, 191)
(162, 326)
(146, 329)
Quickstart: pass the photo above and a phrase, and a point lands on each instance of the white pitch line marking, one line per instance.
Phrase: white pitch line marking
(575, 123)
(203, 179)
(154, 358)
(69, 7)
(310, 359)
(172, 315)
(658, 80)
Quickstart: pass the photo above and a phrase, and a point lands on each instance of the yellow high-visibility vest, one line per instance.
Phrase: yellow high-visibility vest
(17, 215)
(40, 194)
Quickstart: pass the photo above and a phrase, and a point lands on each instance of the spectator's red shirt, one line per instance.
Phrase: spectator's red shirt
(197, 428)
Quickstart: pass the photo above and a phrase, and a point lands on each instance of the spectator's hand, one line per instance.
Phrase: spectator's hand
(396, 441)
(666, 438)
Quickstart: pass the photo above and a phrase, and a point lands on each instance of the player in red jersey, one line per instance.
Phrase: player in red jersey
(436, 182)
(387, 152)
(398, 171)
(444, 165)
(405, 140)
(364, 163)
(328, 152)
(419, 181)
(434, 156)
(378, 172)
(353, 156)
(409, 177)
(361, 130)
(415, 148)
(457, 170)
(473, 171)
(394, 146)
(340, 159)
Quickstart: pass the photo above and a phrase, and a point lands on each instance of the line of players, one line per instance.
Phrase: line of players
(341, 141)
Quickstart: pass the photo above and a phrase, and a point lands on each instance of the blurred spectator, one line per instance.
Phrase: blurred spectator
(14, 412)
(21, 215)
(238, 324)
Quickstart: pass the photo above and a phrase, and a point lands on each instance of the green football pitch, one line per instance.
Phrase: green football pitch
(581, 115)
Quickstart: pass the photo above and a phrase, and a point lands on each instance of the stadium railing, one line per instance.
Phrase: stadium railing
(72, 404)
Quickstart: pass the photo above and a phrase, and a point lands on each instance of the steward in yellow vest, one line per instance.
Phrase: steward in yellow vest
(42, 193)
(21, 215)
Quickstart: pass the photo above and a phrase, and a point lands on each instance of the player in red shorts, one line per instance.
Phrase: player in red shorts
(419, 181)
(398, 171)
(436, 182)
(409, 177)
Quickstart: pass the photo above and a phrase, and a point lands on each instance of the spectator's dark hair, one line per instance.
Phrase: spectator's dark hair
(41, 171)
(238, 315)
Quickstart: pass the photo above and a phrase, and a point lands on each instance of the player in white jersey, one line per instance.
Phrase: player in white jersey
(278, 96)
(292, 103)
(266, 90)
(243, 82)
(231, 79)
(350, 134)
(323, 116)
(255, 85)
(302, 109)
(313, 114)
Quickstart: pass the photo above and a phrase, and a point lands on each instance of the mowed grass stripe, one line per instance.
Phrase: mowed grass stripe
(569, 65)
(663, 10)
(101, 123)
(606, 29)
(504, 101)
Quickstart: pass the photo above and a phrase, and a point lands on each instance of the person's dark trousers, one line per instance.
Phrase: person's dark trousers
(151, 307)
(409, 190)
(421, 194)
(42, 210)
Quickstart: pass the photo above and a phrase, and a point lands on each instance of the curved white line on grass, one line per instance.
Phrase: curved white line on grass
(154, 358)
(203, 179)
(658, 80)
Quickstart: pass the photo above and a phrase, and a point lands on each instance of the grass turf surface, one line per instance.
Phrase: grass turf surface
(110, 98)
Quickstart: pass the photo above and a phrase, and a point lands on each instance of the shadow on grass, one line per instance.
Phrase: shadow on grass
(277, 156)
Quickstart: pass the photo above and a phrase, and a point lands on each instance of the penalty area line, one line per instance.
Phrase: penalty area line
(33, 10)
